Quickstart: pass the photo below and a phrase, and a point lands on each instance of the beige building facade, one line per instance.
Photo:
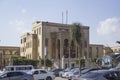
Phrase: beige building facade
(54, 41)
(95, 52)
(6, 54)
(116, 49)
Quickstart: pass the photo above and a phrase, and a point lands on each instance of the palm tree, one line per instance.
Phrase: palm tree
(77, 37)
(118, 42)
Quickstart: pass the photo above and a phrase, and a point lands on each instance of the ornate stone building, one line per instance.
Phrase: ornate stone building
(54, 41)
(116, 49)
(96, 51)
(6, 53)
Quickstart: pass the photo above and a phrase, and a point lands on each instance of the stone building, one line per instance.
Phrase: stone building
(96, 51)
(116, 49)
(6, 54)
(54, 41)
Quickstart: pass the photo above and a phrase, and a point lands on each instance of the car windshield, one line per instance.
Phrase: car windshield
(30, 72)
(76, 73)
(85, 70)
(67, 69)
(90, 75)
(52, 70)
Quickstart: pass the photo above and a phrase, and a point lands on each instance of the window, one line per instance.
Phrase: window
(39, 30)
(36, 72)
(18, 73)
(42, 72)
(85, 44)
(34, 31)
(12, 69)
(24, 39)
(21, 41)
(97, 51)
(46, 42)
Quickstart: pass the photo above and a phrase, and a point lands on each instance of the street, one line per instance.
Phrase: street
(59, 78)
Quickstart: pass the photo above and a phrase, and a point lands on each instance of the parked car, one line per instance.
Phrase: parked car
(101, 75)
(66, 70)
(73, 71)
(76, 73)
(15, 75)
(40, 74)
(56, 71)
(68, 73)
(88, 70)
(1, 72)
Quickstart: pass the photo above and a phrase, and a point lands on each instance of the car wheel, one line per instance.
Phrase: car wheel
(48, 78)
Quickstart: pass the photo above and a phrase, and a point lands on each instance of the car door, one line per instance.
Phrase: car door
(14, 76)
(118, 75)
(43, 74)
(111, 76)
(4, 77)
(37, 75)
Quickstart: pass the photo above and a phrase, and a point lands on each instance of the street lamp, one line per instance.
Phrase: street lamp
(45, 46)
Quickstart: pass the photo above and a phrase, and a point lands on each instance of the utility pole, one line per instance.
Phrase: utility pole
(69, 39)
(45, 47)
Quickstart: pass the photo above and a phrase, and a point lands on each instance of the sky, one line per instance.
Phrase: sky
(102, 16)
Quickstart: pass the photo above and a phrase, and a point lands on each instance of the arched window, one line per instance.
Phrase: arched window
(66, 48)
(58, 46)
(72, 50)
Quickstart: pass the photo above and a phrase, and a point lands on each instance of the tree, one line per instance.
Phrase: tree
(48, 62)
(77, 37)
(24, 61)
(118, 42)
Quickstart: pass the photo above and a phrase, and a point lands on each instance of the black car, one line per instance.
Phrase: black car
(15, 75)
(88, 70)
(56, 71)
(101, 75)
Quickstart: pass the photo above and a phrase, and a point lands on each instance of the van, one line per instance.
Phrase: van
(18, 68)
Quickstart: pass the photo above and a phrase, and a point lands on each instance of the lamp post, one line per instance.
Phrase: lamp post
(45, 57)
(39, 64)
(45, 47)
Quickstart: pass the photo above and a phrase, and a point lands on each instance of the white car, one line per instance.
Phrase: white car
(61, 73)
(40, 74)
(73, 72)
(1, 72)
(70, 73)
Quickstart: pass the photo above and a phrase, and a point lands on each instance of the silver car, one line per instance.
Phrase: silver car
(15, 75)
(41, 74)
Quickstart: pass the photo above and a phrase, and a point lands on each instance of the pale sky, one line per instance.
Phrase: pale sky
(102, 16)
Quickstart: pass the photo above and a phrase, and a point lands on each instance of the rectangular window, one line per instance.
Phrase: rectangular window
(39, 30)
(21, 41)
(46, 42)
(24, 39)
(85, 44)
(34, 31)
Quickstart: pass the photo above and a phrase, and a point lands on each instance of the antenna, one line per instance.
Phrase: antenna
(62, 17)
(66, 17)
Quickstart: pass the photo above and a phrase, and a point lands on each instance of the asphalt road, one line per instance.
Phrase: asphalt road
(59, 78)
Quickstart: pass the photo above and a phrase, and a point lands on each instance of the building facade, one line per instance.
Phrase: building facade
(95, 52)
(116, 49)
(6, 53)
(54, 41)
